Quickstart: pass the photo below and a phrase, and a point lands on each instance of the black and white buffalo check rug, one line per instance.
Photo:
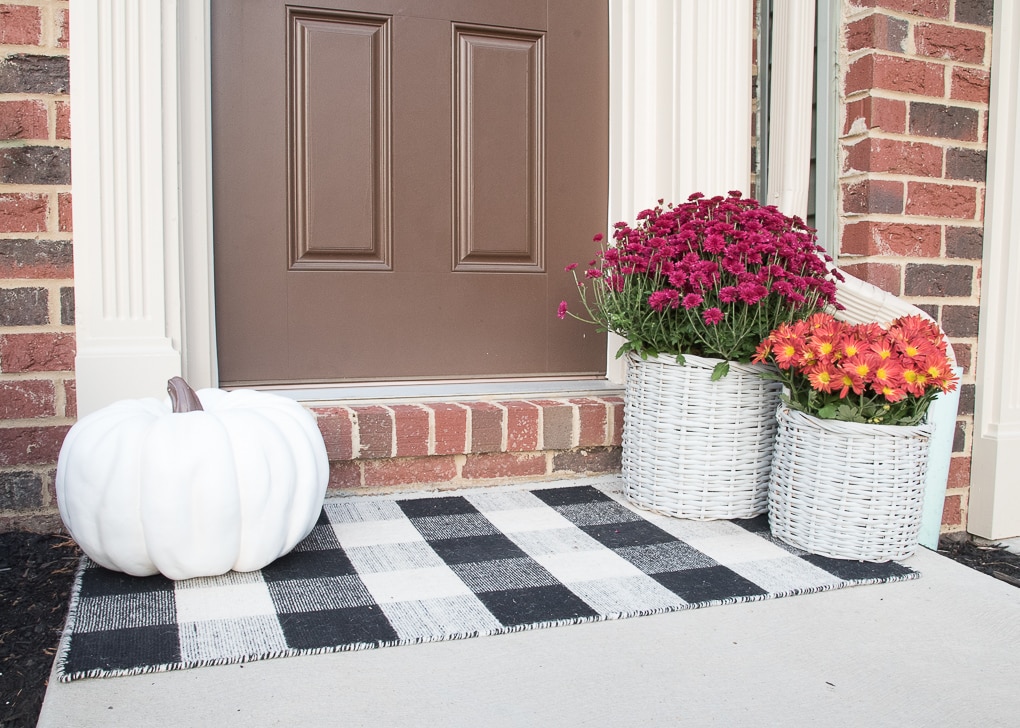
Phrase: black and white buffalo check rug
(380, 571)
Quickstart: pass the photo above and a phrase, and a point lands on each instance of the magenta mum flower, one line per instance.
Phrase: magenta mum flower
(712, 316)
(715, 244)
(562, 310)
(728, 294)
(692, 300)
(660, 299)
(662, 283)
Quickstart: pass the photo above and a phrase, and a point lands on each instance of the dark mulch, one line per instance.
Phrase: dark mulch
(35, 585)
(989, 559)
(36, 572)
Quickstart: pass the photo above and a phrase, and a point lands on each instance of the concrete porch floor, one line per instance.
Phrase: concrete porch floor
(942, 650)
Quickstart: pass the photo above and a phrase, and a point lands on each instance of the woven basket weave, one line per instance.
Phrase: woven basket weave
(848, 490)
(694, 448)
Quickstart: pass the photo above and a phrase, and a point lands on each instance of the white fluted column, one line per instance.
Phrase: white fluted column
(129, 186)
(789, 167)
(994, 508)
(680, 100)
(679, 105)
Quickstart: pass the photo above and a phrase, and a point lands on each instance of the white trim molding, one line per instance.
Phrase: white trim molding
(793, 47)
(680, 122)
(679, 101)
(994, 507)
(679, 106)
(138, 79)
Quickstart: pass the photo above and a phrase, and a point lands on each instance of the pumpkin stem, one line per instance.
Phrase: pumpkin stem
(182, 396)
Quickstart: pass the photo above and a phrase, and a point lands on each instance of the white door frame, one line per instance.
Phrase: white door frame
(994, 507)
(680, 76)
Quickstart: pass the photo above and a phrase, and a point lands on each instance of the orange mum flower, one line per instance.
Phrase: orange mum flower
(785, 353)
(883, 348)
(893, 394)
(824, 348)
(846, 383)
(887, 373)
(888, 369)
(915, 382)
(850, 345)
(824, 378)
(860, 367)
(940, 375)
(830, 328)
(914, 328)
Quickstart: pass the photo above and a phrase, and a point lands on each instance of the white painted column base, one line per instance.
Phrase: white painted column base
(105, 372)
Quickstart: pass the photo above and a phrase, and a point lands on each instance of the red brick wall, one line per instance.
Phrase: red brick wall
(37, 395)
(457, 444)
(914, 138)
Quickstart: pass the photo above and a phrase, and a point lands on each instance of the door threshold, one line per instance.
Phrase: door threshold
(447, 391)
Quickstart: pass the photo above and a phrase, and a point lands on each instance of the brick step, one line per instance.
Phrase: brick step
(406, 445)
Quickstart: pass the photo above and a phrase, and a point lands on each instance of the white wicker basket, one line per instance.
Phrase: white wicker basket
(847, 490)
(694, 448)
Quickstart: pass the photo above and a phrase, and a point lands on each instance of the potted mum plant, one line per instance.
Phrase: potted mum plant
(692, 289)
(848, 469)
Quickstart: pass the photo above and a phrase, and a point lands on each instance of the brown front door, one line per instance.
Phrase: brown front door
(399, 184)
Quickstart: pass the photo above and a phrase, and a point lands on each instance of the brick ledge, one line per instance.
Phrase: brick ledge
(460, 443)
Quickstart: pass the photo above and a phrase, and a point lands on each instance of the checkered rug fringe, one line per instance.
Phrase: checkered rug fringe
(384, 571)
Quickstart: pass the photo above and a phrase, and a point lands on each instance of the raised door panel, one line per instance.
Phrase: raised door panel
(340, 202)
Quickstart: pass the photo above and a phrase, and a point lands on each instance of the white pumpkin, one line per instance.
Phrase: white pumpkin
(195, 487)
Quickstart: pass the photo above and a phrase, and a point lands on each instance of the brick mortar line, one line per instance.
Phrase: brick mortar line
(857, 177)
(44, 421)
(430, 445)
(947, 300)
(854, 217)
(607, 412)
(43, 96)
(949, 63)
(49, 190)
(393, 430)
(468, 421)
(892, 95)
(504, 426)
(355, 423)
(36, 282)
(540, 424)
(888, 217)
(38, 329)
(896, 136)
(8, 49)
(59, 376)
(575, 424)
(39, 236)
(899, 177)
(18, 142)
(919, 260)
